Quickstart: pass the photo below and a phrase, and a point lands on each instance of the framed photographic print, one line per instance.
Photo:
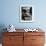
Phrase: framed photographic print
(26, 13)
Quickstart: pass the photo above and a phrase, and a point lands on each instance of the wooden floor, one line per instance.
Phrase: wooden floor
(1, 45)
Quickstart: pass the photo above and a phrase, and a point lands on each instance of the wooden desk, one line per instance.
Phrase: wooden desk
(21, 38)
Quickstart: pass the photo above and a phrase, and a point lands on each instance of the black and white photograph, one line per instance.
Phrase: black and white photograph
(26, 13)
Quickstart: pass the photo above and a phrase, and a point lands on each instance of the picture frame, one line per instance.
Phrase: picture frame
(26, 13)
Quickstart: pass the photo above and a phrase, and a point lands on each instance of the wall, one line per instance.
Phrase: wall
(10, 12)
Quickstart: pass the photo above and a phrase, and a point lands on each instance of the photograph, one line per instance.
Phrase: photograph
(26, 13)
